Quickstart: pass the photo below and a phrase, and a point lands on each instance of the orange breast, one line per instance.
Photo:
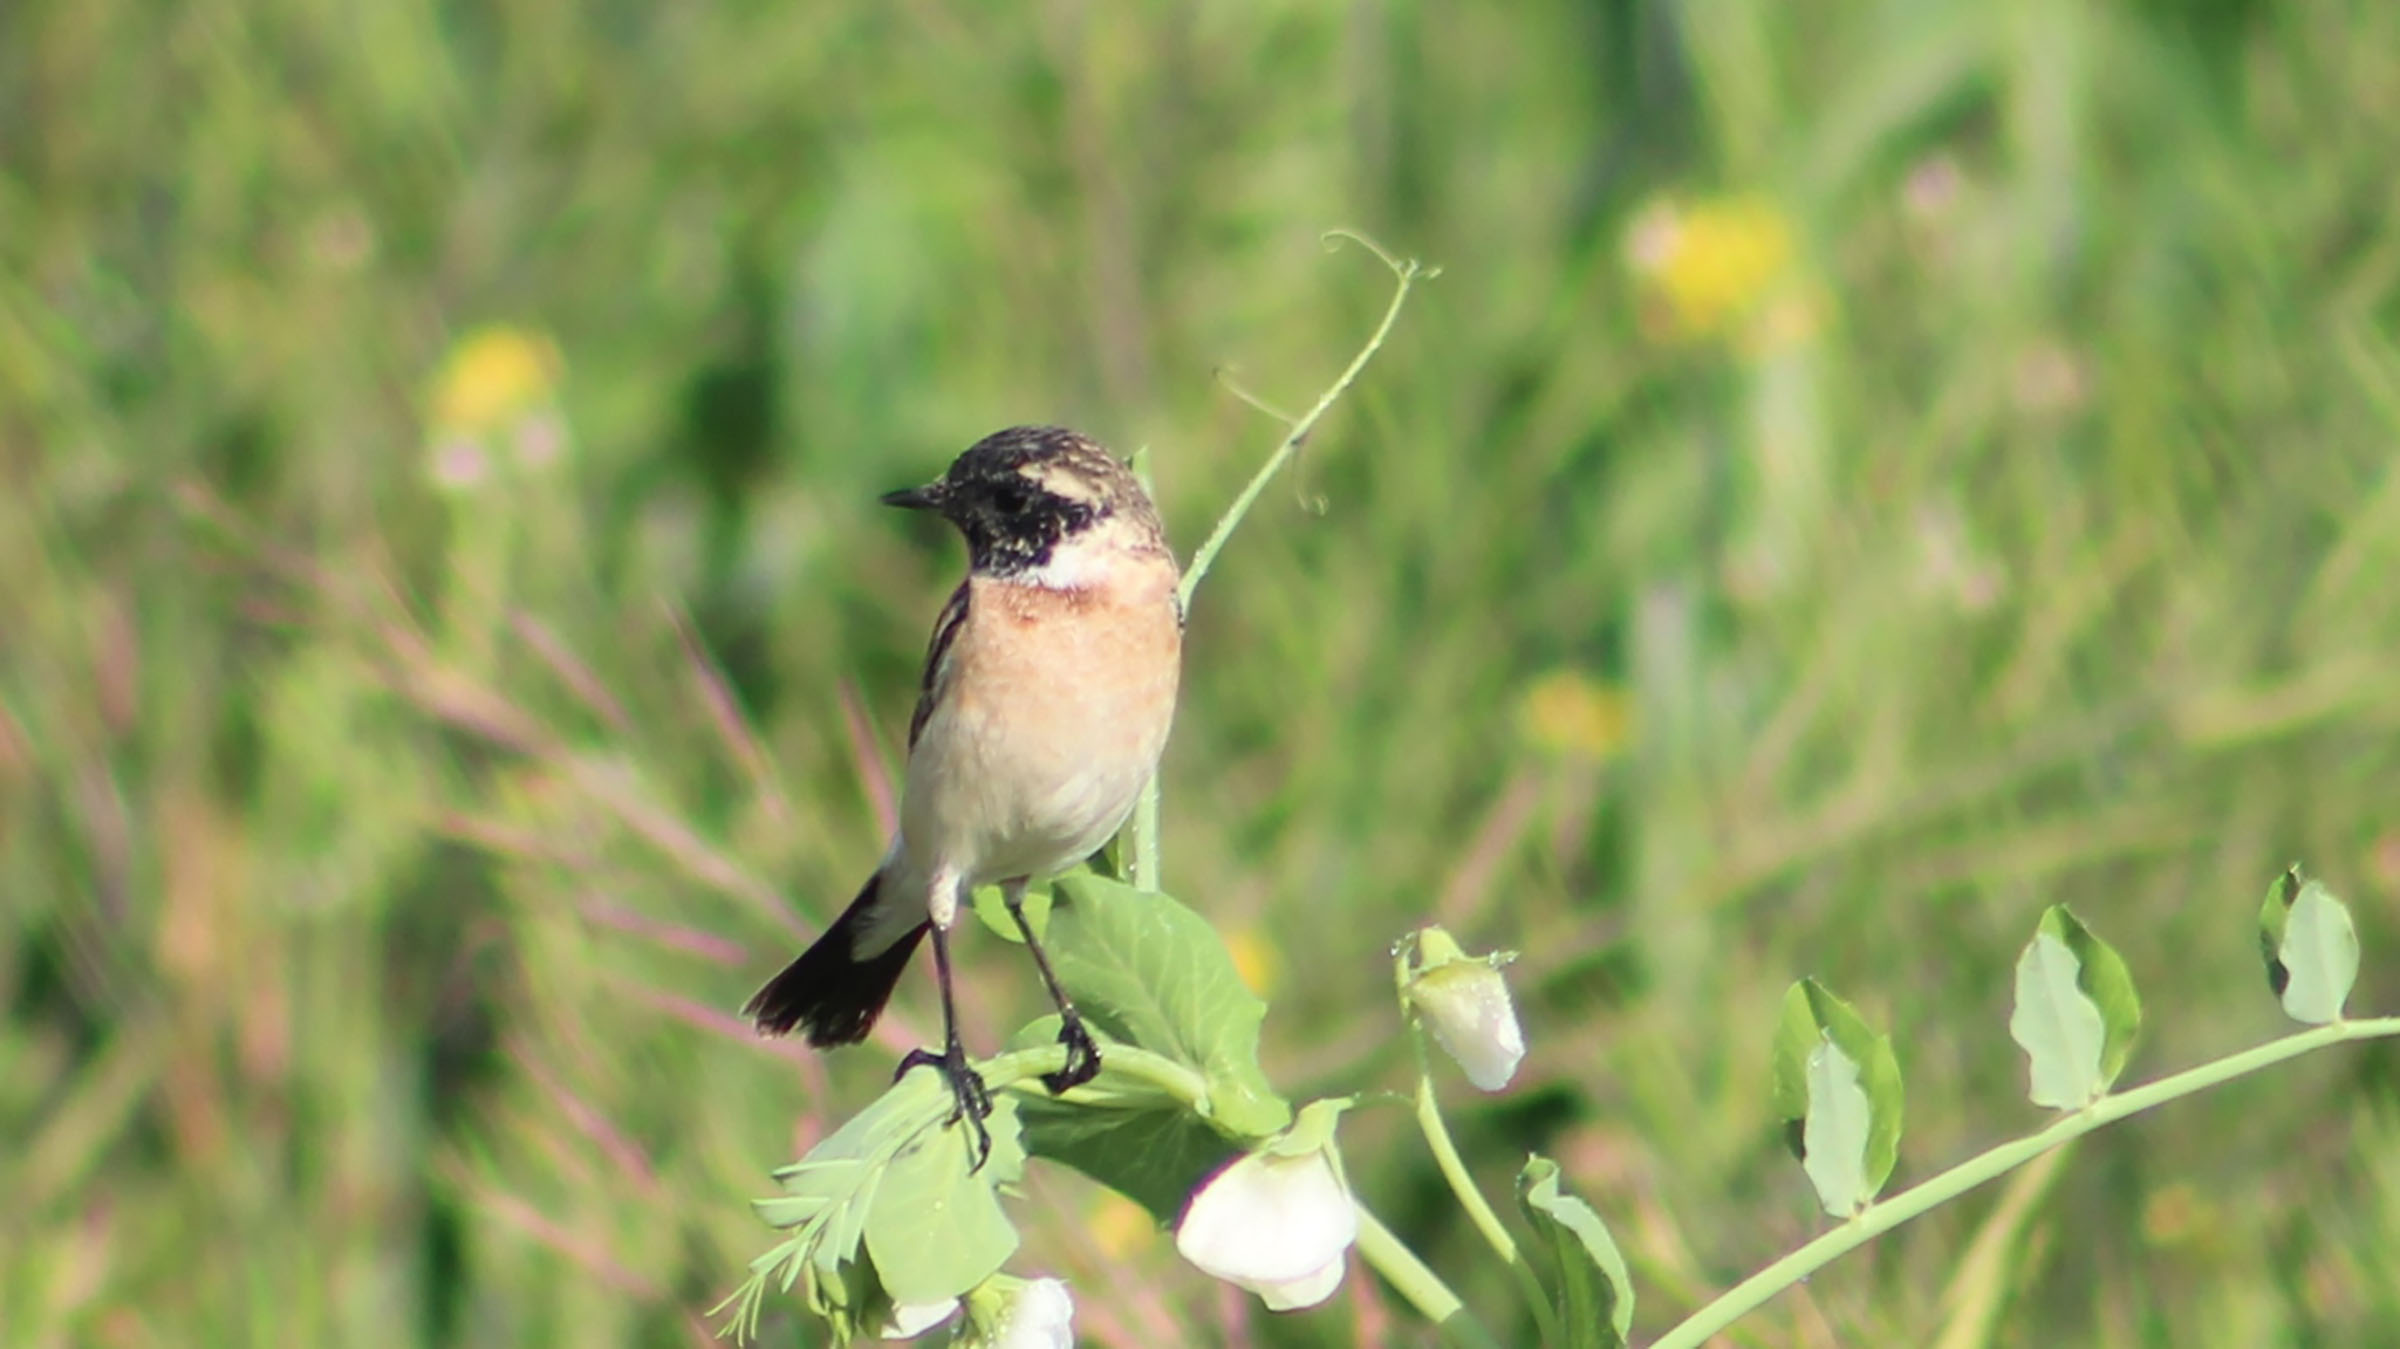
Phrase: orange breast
(1056, 707)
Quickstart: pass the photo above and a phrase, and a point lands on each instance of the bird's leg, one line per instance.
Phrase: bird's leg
(1083, 1056)
(974, 1102)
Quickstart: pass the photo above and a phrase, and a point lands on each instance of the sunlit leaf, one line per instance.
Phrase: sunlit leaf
(1865, 1127)
(992, 911)
(2076, 1014)
(1147, 970)
(2056, 1025)
(2315, 950)
(1834, 1137)
(789, 1210)
(935, 1227)
(895, 1174)
(1583, 1265)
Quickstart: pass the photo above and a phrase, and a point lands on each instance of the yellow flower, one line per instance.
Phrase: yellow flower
(494, 407)
(492, 378)
(1253, 959)
(1120, 1226)
(1568, 713)
(1708, 269)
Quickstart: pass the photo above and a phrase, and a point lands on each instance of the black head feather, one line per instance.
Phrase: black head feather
(1016, 493)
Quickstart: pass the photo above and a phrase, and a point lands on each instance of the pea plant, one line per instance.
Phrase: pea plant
(891, 1227)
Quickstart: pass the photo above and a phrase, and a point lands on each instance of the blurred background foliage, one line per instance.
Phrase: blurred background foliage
(1866, 471)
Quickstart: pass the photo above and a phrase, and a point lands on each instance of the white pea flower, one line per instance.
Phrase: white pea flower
(1039, 1314)
(1278, 1226)
(911, 1319)
(1002, 1312)
(1464, 1001)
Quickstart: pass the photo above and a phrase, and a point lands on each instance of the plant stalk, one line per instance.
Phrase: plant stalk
(1445, 1154)
(1021, 1070)
(1876, 1219)
(1390, 1257)
(1144, 831)
(1408, 272)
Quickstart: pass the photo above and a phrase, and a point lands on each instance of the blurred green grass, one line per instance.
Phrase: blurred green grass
(1958, 440)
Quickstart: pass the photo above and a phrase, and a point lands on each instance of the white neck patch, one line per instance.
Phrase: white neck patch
(1078, 562)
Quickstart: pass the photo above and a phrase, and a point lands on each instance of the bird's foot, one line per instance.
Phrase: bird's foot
(1083, 1057)
(972, 1101)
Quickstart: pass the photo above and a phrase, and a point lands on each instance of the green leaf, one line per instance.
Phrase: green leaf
(935, 1227)
(2312, 960)
(2076, 1013)
(1145, 1145)
(1312, 1129)
(1147, 970)
(1595, 1295)
(790, 1210)
(992, 911)
(2109, 984)
(2057, 1025)
(890, 1181)
(1842, 1112)
(2273, 915)
(1834, 1136)
(1796, 1033)
(847, 1300)
(1127, 1132)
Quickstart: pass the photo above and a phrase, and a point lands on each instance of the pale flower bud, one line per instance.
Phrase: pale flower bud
(1278, 1226)
(1464, 1001)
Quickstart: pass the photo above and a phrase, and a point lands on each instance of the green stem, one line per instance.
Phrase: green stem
(1144, 830)
(1445, 1154)
(1408, 272)
(1877, 1219)
(1390, 1257)
(1020, 1069)
(1145, 837)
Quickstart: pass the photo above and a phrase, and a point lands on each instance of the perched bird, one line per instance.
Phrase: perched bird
(1049, 686)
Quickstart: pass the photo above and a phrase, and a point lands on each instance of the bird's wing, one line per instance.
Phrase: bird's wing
(937, 656)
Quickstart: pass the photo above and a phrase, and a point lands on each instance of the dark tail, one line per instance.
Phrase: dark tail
(829, 994)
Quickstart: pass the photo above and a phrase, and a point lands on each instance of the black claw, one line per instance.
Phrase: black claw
(1083, 1056)
(972, 1101)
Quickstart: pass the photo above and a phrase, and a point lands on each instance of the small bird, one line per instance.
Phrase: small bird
(1048, 690)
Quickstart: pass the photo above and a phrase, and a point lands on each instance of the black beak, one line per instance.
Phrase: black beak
(927, 498)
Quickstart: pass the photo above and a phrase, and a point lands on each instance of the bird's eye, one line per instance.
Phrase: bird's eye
(1010, 499)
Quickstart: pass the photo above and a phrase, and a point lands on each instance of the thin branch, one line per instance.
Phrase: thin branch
(1408, 273)
(1143, 835)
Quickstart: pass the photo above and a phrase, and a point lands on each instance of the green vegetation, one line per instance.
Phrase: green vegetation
(1864, 475)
